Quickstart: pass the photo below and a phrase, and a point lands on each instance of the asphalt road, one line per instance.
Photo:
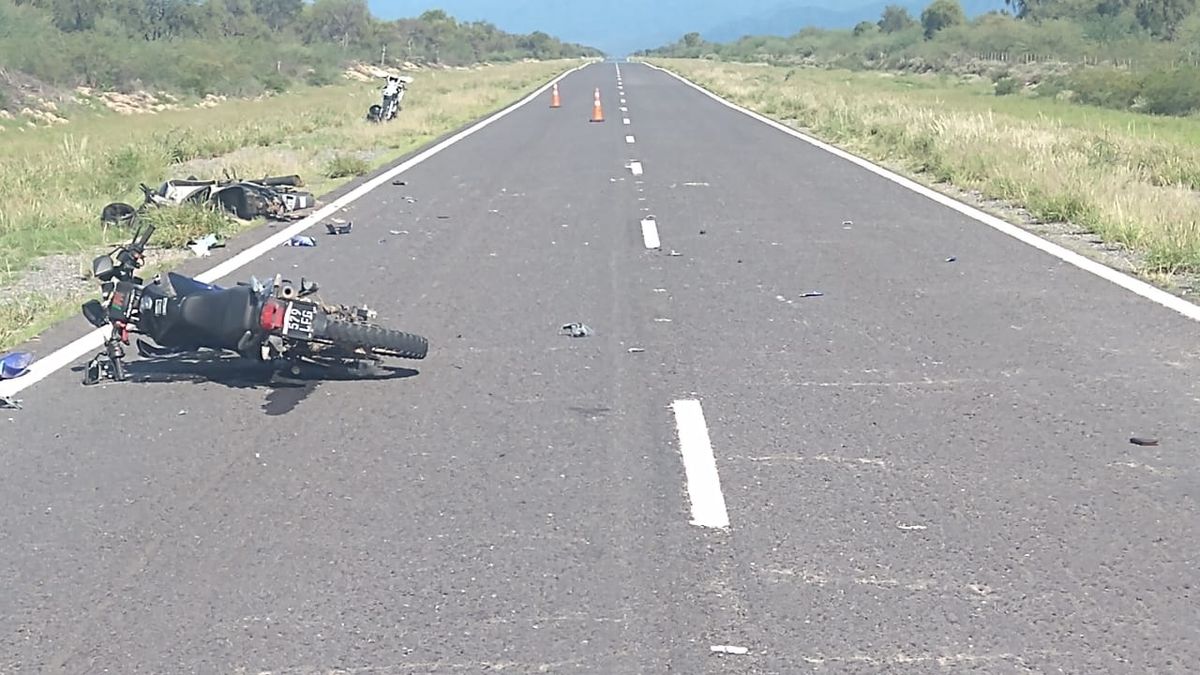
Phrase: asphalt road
(926, 468)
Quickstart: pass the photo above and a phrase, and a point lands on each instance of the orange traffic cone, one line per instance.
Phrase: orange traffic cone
(597, 109)
(555, 101)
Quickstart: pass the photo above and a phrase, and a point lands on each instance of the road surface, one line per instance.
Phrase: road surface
(926, 468)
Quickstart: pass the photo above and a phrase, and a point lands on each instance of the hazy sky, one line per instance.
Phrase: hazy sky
(621, 26)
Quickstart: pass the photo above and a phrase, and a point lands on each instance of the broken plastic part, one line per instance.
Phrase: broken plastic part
(335, 228)
(729, 649)
(577, 330)
(9, 403)
(15, 365)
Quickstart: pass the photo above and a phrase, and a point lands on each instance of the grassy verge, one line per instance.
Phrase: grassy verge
(53, 182)
(1131, 179)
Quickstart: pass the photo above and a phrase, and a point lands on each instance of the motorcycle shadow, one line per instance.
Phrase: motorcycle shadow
(285, 391)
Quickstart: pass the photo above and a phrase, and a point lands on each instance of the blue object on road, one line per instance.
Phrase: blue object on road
(15, 364)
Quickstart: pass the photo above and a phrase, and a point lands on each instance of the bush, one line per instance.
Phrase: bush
(1007, 86)
(1171, 92)
(343, 166)
(1104, 87)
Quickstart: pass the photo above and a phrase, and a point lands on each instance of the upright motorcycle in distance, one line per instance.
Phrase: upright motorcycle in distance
(393, 95)
(273, 324)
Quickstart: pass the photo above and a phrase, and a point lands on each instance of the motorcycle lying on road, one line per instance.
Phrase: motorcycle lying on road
(272, 324)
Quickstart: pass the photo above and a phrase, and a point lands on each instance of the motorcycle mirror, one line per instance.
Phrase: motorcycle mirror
(102, 268)
(94, 312)
(308, 287)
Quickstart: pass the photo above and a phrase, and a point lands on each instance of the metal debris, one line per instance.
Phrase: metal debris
(335, 228)
(1137, 440)
(729, 649)
(577, 330)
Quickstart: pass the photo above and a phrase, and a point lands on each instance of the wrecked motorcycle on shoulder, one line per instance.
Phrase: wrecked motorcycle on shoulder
(278, 323)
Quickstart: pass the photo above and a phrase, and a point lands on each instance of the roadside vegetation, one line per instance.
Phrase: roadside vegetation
(97, 97)
(1100, 132)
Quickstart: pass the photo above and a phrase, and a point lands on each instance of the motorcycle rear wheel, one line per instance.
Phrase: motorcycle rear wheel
(376, 339)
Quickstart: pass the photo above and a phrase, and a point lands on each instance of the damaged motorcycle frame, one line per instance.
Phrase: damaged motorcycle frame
(272, 324)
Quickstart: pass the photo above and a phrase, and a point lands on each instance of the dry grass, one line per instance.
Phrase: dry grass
(53, 182)
(1128, 178)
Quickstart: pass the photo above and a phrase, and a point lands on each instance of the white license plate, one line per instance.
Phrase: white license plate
(298, 320)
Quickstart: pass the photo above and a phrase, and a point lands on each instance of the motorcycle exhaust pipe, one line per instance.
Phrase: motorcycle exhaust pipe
(287, 292)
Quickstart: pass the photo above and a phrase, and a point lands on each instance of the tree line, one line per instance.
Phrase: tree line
(1160, 38)
(238, 46)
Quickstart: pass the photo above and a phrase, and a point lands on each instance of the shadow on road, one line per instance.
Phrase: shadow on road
(284, 391)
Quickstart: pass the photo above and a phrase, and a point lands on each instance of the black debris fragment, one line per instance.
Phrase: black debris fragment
(812, 294)
(577, 330)
(336, 228)
(1136, 440)
(9, 403)
(951, 259)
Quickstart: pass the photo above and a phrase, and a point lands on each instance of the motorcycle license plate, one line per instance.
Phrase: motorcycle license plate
(298, 320)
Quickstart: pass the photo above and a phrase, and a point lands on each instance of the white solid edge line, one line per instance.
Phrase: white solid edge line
(64, 356)
(650, 233)
(699, 466)
(1129, 283)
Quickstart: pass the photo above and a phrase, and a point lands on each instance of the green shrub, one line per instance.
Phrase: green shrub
(1171, 92)
(343, 166)
(1007, 86)
(1104, 87)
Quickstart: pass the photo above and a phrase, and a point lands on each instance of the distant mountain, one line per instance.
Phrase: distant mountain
(621, 27)
(789, 18)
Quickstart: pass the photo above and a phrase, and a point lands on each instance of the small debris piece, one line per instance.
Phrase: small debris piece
(397, 231)
(1136, 440)
(951, 259)
(636, 350)
(729, 649)
(182, 412)
(9, 403)
(399, 182)
(443, 217)
(703, 231)
(676, 254)
(335, 228)
(577, 330)
(909, 528)
(202, 245)
(662, 320)
(812, 294)
(847, 222)
(14, 364)
(301, 240)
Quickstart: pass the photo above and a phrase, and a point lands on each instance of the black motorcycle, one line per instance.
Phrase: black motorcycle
(272, 324)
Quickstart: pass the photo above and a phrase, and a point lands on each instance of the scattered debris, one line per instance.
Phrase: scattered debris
(636, 350)
(443, 217)
(336, 228)
(846, 223)
(729, 649)
(910, 528)
(301, 240)
(662, 320)
(493, 210)
(577, 330)
(14, 364)
(397, 231)
(695, 184)
(182, 412)
(660, 290)
(703, 231)
(951, 259)
(202, 245)
(1136, 440)
(9, 403)
(399, 182)
(810, 294)
(676, 254)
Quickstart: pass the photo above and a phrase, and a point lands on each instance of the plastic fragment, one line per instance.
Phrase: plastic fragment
(15, 364)
(729, 649)
(577, 330)
(202, 245)
(9, 403)
(335, 228)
